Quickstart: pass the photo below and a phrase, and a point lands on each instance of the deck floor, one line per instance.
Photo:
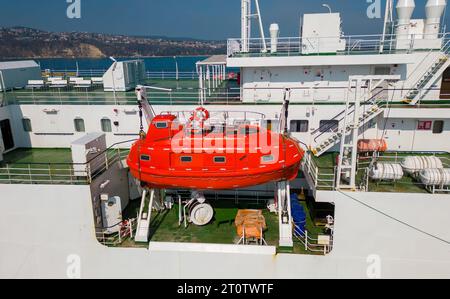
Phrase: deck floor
(165, 227)
(184, 91)
(39, 156)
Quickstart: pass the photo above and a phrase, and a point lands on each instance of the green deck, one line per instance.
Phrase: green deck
(165, 227)
(39, 156)
(184, 91)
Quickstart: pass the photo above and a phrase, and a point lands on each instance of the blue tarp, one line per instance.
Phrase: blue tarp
(298, 215)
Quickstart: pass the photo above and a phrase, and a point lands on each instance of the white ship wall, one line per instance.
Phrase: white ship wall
(40, 229)
(58, 130)
(320, 82)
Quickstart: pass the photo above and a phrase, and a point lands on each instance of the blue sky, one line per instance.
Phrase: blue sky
(206, 19)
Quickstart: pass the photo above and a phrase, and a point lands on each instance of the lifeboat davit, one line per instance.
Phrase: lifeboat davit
(200, 155)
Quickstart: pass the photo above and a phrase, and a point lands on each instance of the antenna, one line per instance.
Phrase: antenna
(246, 20)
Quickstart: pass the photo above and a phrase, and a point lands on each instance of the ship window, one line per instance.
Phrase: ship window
(26, 122)
(186, 159)
(79, 125)
(327, 126)
(220, 160)
(299, 126)
(106, 125)
(145, 157)
(162, 125)
(438, 127)
(267, 159)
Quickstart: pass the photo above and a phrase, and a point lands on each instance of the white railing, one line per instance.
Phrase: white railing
(366, 162)
(163, 75)
(322, 178)
(311, 243)
(79, 97)
(127, 230)
(61, 173)
(348, 45)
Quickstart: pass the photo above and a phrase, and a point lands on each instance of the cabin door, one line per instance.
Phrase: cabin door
(445, 86)
(6, 134)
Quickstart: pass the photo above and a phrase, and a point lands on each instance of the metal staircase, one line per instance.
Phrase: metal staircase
(371, 109)
(433, 73)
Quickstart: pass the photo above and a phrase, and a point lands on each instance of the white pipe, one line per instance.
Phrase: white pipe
(405, 9)
(245, 24)
(434, 11)
(176, 68)
(3, 82)
(274, 33)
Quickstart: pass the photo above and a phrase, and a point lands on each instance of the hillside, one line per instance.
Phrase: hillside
(20, 42)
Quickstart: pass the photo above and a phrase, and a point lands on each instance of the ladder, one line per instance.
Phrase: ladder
(144, 219)
(284, 214)
(352, 122)
(432, 74)
(372, 108)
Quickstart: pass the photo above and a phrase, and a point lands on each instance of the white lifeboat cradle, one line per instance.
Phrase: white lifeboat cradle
(196, 210)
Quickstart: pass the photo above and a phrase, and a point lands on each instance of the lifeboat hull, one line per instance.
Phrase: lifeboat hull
(216, 182)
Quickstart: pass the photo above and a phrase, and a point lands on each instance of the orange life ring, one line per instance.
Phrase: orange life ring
(201, 114)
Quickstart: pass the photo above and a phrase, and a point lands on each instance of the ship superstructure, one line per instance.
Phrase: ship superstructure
(371, 112)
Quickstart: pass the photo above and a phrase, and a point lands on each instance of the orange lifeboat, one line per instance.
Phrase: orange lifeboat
(372, 145)
(201, 155)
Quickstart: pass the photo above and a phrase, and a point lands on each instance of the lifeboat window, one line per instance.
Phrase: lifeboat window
(267, 159)
(220, 160)
(299, 126)
(438, 127)
(162, 125)
(145, 158)
(186, 159)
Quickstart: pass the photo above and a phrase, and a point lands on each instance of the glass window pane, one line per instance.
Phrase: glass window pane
(27, 125)
(438, 127)
(106, 125)
(299, 126)
(79, 125)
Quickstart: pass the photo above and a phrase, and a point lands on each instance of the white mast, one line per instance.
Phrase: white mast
(245, 24)
(246, 20)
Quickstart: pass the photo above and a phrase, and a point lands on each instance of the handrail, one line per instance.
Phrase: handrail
(287, 45)
(445, 49)
(343, 112)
